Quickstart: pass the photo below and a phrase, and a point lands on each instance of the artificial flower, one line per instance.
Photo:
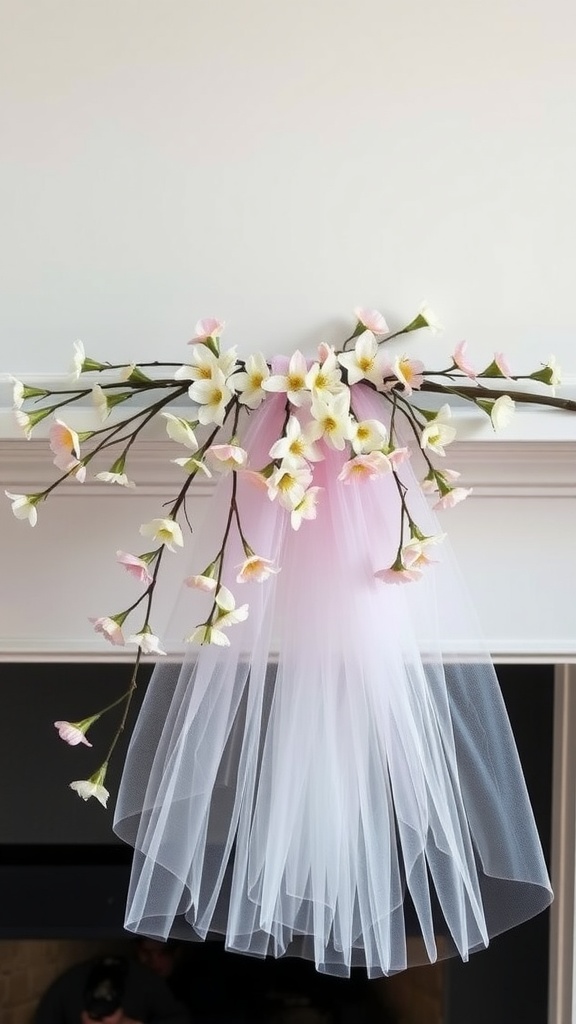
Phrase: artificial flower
(135, 566)
(110, 626)
(165, 531)
(71, 466)
(116, 474)
(212, 396)
(204, 364)
(75, 732)
(259, 480)
(499, 367)
(425, 317)
(409, 373)
(207, 328)
(371, 320)
(202, 582)
(192, 466)
(460, 360)
(207, 634)
(325, 377)
(256, 569)
(100, 402)
(24, 506)
(115, 478)
(365, 467)
(439, 481)
(248, 383)
(146, 641)
(94, 786)
(288, 484)
(227, 456)
(20, 392)
(306, 508)
(365, 362)
(78, 360)
(502, 412)
(293, 382)
(367, 436)
(181, 430)
(64, 440)
(81, 363)
(104, 401)
(430, 318)
(550, 373)
(414, 553)
(453, 497)
(297, 445)
(438, 432)
(229, 614)
(332, 421)
(397, 455)
(28, 420)
(398, 573)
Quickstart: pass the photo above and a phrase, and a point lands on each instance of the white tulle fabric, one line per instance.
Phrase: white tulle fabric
(336, 784)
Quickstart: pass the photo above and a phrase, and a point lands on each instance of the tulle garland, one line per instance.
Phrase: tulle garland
(333, 785)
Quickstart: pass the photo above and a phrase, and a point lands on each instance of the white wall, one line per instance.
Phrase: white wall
(276, 162)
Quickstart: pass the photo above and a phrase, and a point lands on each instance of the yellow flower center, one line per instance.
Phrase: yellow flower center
(406, 370)
(297, 446)
(285, 482)
(295, 382)
(205, 372)
(330, 424)
(216, 397)
(256, 380)
(363, 432)
(365, 363)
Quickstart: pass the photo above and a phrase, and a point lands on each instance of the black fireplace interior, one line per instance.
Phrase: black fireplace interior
(63, 874)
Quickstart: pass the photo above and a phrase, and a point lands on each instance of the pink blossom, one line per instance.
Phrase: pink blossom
(68, 464)
(372, 320)
(207, 328)
(257, 479)
(256, 569)
(72, 733)
(228, 456)
(137, 567)
(365, 467)
(453, 497)
(110, 630)
(400, 575)
(325, 351)
(502, 364)
(409, 372)
(399, 455)
(459, 358)
(201, 582)
(63, 440)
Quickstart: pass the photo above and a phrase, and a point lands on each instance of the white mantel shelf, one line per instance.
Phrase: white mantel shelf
(514, 539)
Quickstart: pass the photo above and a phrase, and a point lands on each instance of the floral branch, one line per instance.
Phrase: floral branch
(320, 414)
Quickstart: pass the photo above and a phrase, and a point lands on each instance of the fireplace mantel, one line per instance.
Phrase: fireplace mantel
(512, 538)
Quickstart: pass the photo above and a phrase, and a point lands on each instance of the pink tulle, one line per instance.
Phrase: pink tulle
(341, 783)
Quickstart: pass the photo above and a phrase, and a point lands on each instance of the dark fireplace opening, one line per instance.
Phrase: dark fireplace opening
(64, 875)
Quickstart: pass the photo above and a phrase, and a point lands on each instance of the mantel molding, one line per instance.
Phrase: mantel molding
(512, 468)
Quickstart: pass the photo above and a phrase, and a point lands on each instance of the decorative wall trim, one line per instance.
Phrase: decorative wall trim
(514, 468)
